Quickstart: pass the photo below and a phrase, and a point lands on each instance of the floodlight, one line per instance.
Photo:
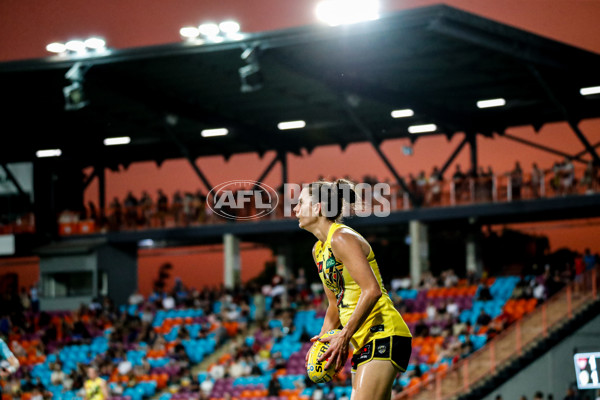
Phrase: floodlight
(403, 113)
(189, 32)
(209, 29)
(422, 128)
(76, 46)
(214, 132)
(291, 125)
(229, 27)
(586, 91)
(491, 103)
(113, 141)
(95, 43)
(56, 47)
(48, 153)
(338, 12)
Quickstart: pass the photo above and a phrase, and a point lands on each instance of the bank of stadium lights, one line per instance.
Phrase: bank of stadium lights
(588, 91)
(491, 103)
(422, 128)
(48, 153)
(287, 125)
(214, 132)
(341, 12)
(90, 46)
(211, 32)
(115, 141)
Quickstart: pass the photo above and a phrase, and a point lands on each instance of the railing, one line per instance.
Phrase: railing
(499, 188)
(509, 344)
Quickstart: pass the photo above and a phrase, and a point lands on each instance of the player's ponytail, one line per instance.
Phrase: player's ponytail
(337, 199)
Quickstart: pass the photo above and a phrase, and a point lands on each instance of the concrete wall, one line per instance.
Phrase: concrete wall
(554, 372)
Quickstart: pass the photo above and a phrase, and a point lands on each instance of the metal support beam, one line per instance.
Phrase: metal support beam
(101, 173)
(89, 179)
(14, 180)
(268, 169)
(367, 132)
(453, 156)
(575, 157)
(472, 138)
(184, 152)
(552, 96)
(284, 168)
(581, 153)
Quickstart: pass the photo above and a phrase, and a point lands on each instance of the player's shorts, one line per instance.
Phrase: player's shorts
(396, 349)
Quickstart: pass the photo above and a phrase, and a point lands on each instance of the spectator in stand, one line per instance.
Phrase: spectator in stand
(162, 207)
(484, 292)
(35, 300)
(516, 181)
(434, 183)
(146, 208)
(274, 386)
(177, 207)
(131, 210)
(188, 208)
(589, 259)
(116, 214)
(483, 319)
(535, 181)
(206, 386)
(579, 268)
(567, 176)
(589, 178)
(24, 299)
(460, 183)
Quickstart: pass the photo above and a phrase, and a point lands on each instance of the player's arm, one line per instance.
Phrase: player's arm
(332, 316)
(348, 248)
(104, 388)
(13, 362)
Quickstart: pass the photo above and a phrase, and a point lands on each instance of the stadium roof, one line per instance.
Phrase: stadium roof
(343, 81)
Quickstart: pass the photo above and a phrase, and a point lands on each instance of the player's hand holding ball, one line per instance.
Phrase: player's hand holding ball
(327, 356)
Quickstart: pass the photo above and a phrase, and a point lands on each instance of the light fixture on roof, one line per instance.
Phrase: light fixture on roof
(75, 46)
(56, 47)
(291, 125)
(209, 29)
(229, 27)
(422, 128)
(95, 43)
(491, 103)
(113, 141)
(48, 153)
(250, 75)
(189, 32)
(587, 91)
(339, 12)
(407, 112)
(89, 46)
(74, 94)
(211, 32)
(214, 132)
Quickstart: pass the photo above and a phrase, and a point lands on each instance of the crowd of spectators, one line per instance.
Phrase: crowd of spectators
(189, 208)
(258, 316)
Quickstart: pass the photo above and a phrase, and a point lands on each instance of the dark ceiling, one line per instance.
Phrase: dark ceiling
(343, 81)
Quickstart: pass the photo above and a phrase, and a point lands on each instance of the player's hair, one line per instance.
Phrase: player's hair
(335, 197)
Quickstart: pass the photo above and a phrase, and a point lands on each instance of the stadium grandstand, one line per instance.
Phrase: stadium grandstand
(469, 135)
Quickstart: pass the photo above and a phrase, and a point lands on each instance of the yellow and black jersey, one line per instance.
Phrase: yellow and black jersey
(383, 321)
